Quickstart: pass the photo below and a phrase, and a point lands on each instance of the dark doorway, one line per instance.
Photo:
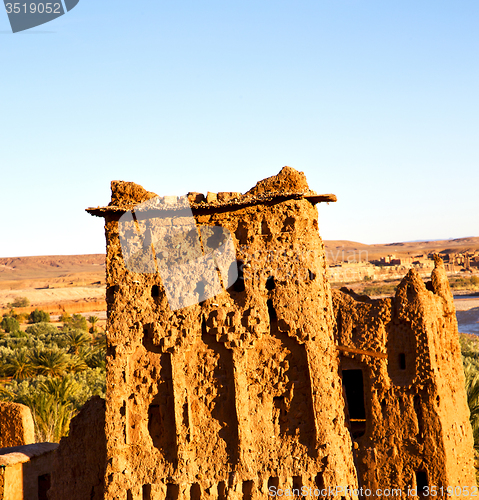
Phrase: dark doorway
(354, 388)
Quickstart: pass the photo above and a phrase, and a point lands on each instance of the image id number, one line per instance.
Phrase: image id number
(33, 8)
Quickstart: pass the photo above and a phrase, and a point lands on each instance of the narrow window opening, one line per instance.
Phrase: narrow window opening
(402, 361)
(147, 492)
(44, 482)
(155, 291)
(270, 283)
(154, 424)
(319, 481)
(236, 271)
(297, 485)
(271, 311)
(248, 490)
(221, 490)
(354, 387)
(312, 276)
(273, 482)
(129, 495)
(172, 491)
(195, 491)
(421, 482)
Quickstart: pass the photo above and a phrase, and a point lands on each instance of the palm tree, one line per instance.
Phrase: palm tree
(50, 362)
(93, 320)
(76, 339)
(51, 416)
(19, 365)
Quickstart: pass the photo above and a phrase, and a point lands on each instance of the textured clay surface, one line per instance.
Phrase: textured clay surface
(79, 464)
(16, 425)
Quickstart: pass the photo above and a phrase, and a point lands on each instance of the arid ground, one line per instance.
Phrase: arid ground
(76, 283)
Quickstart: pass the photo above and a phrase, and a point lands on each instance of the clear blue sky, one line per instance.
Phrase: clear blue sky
(376, 101)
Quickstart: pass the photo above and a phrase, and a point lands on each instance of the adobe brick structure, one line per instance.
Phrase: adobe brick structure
(240, 392)
(16, 425)
(25, 471)
(404, 382)
(79, 463)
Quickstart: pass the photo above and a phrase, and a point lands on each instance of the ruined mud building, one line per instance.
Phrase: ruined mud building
(273, 382)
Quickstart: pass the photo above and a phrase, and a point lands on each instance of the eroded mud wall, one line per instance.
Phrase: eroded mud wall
(241, 392)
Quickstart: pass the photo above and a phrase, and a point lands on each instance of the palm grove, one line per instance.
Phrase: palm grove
(53, 371)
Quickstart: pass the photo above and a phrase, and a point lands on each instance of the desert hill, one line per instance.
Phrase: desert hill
(401, 249)
(78, 281)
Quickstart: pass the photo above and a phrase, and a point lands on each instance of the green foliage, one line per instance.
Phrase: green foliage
(380, 290)
(93, 320)
(39, 316)
(41, 328)
(465, 283)
(19, 302)
(50, 362)
(10, 324)
(76, 321)
(76, 339)
(53, 372)
(19, 365)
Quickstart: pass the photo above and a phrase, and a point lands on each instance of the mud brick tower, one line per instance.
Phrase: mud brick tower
(241, 392)
(411, 424)
(233, 372)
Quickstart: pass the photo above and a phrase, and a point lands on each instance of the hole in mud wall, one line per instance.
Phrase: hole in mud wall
(248, 490)
(155, 291)
(402, 361)
(265, 230)
(44, 482)
(422, 483)
(195, 492)
(273, 485)
(353, 384)
(270, 283)
(297, 485)
(129, 495)
(221, 490)
(236, 271)
(288, 224)
(217, 238)
(147, 340)
(319, 481)
(161, 418)
(146, 492)
(312, 276)
(110, 293)
(273, 317)
(172, 491)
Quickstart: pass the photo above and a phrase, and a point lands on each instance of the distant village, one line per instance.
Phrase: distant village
(357, 267)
